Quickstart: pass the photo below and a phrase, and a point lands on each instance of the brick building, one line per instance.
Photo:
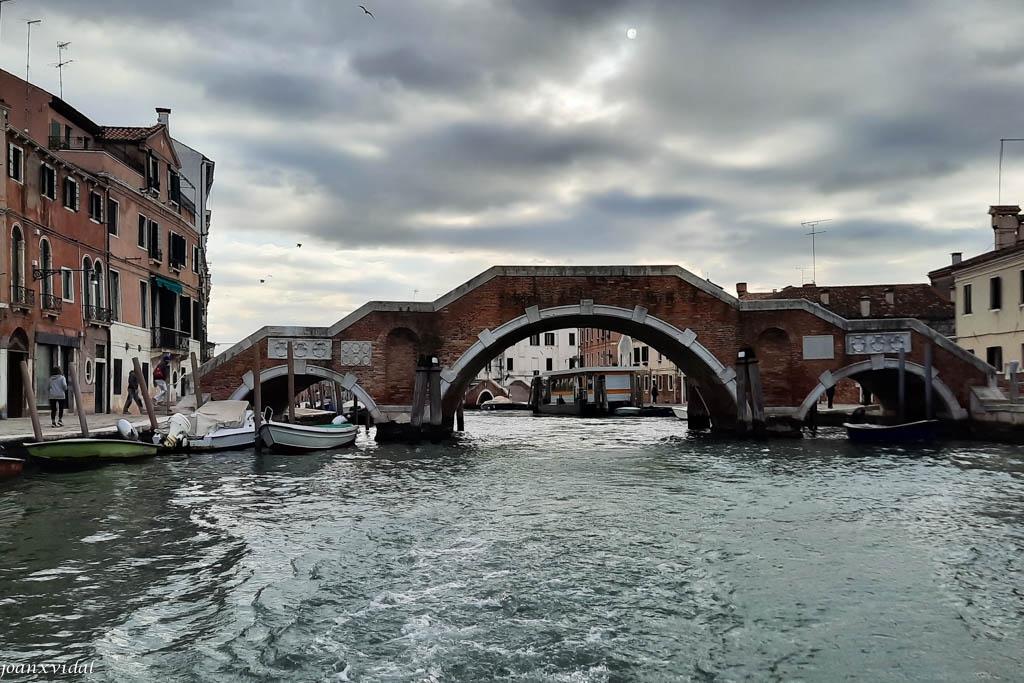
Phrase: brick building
(101, 248)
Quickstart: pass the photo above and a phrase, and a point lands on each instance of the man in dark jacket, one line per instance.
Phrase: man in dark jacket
(133, 393)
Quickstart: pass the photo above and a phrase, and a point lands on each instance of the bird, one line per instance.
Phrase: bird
(367, 12)
(299, 244)
(265, 278)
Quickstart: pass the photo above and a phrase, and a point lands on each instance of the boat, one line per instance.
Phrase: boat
(922, 430)
(627, 411)
(503, 403)
(10, 467)
(680, 412)
(216, 425)
(584, 391)
(284, 437)
(88, 451)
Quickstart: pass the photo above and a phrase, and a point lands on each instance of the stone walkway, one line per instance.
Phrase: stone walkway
(19, 429)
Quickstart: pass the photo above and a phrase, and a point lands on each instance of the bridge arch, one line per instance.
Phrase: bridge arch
(347, 381)
(716, 382)
(946, 396)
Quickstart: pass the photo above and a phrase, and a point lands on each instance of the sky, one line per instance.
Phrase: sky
(409, 151)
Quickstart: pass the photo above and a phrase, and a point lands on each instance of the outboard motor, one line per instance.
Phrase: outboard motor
(127, 431)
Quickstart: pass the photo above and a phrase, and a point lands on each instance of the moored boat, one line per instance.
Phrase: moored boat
(216, 425)
(10, 467)
(285, 437)
(680, 412)
(627, 411)
(922, 430)
(86, 451)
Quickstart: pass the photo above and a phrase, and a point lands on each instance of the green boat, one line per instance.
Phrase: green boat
(89, 451)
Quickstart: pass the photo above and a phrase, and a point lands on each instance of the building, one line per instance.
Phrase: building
(515, 367)
(988, 292)
(602, 348)
(655, 370)
(101, 247)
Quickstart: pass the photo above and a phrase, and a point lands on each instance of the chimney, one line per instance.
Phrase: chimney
(1005, 222)
(824, 297)
(163, 116)
(865, 306)
(890, 296)
(741, 289)
(958, 256)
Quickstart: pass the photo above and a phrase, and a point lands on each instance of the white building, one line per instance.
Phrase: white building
(516, 366)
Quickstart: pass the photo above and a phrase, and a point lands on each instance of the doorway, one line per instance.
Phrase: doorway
(17, 351)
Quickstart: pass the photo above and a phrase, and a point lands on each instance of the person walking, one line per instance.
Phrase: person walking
(163, 369)
(58, 391)
(133, 394)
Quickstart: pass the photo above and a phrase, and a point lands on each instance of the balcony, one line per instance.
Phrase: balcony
(87, 144)
(23, 297)
(208, 351)
(97, 315)
(164, 338)
(52, 305)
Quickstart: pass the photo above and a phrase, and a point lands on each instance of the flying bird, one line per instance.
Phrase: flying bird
(367, 12)
(299, 244)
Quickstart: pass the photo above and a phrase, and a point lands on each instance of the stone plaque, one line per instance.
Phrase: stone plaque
(302, 349)
(356, 353)
(819, 347)
(868, 343)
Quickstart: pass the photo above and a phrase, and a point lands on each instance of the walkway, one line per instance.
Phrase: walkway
(19, 429)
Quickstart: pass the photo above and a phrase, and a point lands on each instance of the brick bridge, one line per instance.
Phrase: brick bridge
(802, 347)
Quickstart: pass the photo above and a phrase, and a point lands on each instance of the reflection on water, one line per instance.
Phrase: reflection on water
(532, 549)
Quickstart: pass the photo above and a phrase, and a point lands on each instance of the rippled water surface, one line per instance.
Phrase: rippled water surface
(534, 549)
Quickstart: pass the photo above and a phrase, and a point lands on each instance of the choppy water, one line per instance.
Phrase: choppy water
(535, 549)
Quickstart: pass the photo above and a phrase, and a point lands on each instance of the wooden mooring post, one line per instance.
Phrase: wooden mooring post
(435, 394)
(30, 397)
(460, 415)
(902, 373)
(928, 382)
(144, 388)
(756, 396)
(419, 392)
(196, 388)
(291, 384)
(257, 396)
(83, 423)
(696, 412)
(743, 418)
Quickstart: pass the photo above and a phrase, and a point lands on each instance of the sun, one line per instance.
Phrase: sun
(631, 33)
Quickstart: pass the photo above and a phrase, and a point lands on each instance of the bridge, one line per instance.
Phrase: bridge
(803, 348)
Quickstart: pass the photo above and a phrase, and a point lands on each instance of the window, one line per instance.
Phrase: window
(118, 369)
(195, 258)
(995, 293)
(645, 352)
(144, 301)
(67, 284)
(536, 372)
(96, 206)
(173, 186)
(177, 250)
(71, 197)
(155, 252)
(16, 163)
(113, 218)
(534, 340)
(143, 232)
(46, 254)
(508, 364)
(48, 181)
(968, 308)
(994, 357)
(661, 382)
(572, 339)
(549, 339)
(647, 382)
(671, 382)
(636, 355)
(115, 297)
(153, 173)
(185, 314)
(549, 364)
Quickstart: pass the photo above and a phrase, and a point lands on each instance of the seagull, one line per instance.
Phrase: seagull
(299, 244)
(367, 12)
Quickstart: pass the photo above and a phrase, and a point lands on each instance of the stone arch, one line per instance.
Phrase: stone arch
(87, 271)
(680, 346)
(485, 395)
(946, 396)
(347, 381)
(17, 256)
(774, 352)
(402, 346)
(100, 281)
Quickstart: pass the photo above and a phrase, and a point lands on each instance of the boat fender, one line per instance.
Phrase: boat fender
(127, 430)
(339, 420)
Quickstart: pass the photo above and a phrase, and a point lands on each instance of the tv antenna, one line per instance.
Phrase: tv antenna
(28, 55)
(802, 269)
(61, 63)
(813, 233)
(999, 191)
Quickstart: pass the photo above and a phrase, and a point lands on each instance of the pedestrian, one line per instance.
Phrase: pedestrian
(58, 394)
(133, 393)
(654, 392)
(163, 369)
(830, 394)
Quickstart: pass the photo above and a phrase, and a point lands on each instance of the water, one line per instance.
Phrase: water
(535, 549)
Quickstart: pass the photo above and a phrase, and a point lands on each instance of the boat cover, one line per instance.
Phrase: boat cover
(218, 415)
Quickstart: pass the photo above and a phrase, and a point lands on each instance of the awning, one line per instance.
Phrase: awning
(170, 285)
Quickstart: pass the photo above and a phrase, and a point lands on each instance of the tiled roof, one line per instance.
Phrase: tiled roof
(128, 133)
(920, 301)
(978, 260)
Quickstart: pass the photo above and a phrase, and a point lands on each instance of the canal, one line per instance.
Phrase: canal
(534, 549)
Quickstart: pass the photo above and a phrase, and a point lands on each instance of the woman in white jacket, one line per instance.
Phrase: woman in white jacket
(58, 395)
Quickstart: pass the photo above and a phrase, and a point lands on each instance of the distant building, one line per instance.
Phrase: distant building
(516, 366)
(602, 348)
(988, 291)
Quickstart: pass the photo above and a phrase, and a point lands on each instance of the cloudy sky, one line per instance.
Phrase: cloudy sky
(410, 151)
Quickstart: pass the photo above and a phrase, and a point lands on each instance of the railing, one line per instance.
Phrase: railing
(164, 338)
(23, 296)
(156, 254)
(209, 351)
(84, 143)
(97, 314)
(51, 303)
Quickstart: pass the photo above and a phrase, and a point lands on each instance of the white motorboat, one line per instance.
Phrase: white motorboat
(217, 425)
(285, 437)
(627, 411)
(680, 412)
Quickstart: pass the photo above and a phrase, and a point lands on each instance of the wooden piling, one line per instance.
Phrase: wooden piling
(257, 396)
(195, 382)
(696, 412)
(30, 397)
(82, 421)
(419, 395)
(435, 395)
(928, 382)
(902, 372)
(291, 383)
(460, 415)
(756, 396)
(144, 388)
(742, 415)
(339, 401)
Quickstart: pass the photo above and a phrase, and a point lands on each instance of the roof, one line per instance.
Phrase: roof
(129, 133)
(978, 260)
(921, 301)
